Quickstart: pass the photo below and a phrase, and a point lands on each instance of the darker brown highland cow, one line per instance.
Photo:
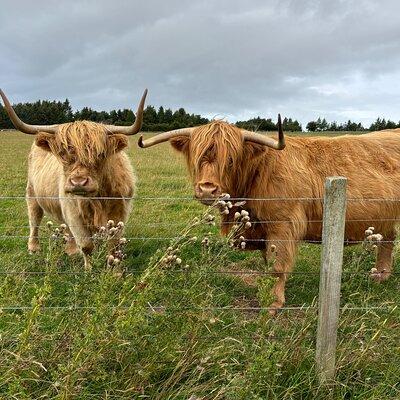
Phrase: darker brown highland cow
(79, 175)
(225, 159)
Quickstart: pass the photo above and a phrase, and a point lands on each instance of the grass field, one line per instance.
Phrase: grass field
(163, 333)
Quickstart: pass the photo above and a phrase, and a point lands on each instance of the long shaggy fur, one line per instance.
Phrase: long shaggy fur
(371, 163)
(52, 158)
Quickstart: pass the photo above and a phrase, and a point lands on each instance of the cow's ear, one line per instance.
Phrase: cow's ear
(117, 142)
(254, 149)
(180, 143)
(43, 140)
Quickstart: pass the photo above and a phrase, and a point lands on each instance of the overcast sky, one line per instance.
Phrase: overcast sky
(225, 58)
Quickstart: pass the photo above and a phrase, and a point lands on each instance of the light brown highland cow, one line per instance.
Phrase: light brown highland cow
(73, 170)
(225, 159)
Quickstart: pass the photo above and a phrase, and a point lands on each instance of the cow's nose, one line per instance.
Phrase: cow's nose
(208, 189)
(79, 180)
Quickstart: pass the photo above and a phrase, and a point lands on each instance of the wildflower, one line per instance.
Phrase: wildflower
(122, 241)
(178, 261)
(110, 259)
(225, 196)
(244, 213)
(247, 225)
(205, 242)
(273, 248)
(120, 225)
(243, 245)
(229, 204)
(110, 223)
(63, 227)
(117, 261)
(368, 232)
(237, 215)
(112, 231)
(225, 211)
(371, 228)
(49, 224)
(102, 229)
(246, 218)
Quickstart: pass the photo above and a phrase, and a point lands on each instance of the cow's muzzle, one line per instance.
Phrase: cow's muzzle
(207, 192)
(81, 186)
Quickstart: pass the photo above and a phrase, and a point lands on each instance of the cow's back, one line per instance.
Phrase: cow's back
(370, 162)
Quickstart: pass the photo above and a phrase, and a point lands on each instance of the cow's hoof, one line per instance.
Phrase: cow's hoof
(379, 275)
(274, 308)
(71, 250)
(33, 248)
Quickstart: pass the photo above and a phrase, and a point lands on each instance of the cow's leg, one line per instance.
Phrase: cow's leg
(81, 234)
(71, 247)
(384, 261)
(282, 247)
(35, 215)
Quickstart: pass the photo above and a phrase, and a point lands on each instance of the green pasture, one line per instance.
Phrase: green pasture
(151, 331)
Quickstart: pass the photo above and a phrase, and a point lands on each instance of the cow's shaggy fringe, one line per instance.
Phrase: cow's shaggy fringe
(88, 141)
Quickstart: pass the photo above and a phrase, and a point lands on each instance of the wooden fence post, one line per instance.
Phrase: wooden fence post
(330, 277)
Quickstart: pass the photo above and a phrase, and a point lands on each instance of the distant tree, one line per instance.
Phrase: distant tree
(312, 126)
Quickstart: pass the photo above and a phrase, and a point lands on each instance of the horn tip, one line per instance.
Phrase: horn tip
(140, 142)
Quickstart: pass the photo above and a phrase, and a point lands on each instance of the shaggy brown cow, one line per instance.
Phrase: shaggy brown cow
(70, 162)
(225, 159)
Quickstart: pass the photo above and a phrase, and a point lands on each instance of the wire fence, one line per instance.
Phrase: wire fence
(159, 309)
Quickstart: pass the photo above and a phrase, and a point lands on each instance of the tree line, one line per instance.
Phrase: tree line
(322, 125)
(45, 112)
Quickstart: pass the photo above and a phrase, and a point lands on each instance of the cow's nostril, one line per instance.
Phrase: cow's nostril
(208, 188)
(79, 181)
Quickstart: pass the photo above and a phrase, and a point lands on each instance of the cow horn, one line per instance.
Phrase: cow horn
(163, 137)
(265, 140)
(137, 125)
(22, 126)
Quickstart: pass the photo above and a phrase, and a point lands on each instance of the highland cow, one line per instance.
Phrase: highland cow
(79, 175)
(225, 159)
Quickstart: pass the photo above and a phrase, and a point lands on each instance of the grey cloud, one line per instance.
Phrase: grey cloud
(338, 59)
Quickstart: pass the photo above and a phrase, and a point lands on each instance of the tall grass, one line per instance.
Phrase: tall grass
(181, 318)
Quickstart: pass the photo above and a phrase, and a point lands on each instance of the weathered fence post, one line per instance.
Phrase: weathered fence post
(330, 277)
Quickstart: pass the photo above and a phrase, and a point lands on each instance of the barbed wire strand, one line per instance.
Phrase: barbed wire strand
(183, 224)
(161, 309)
(188, 198)
(162, 238)
(235, 273)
